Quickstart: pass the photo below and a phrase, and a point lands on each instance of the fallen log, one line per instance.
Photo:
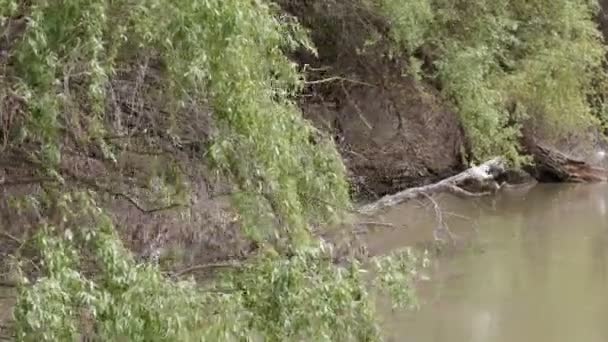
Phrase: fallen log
(549, 166)
(484, 174)
(554, 166)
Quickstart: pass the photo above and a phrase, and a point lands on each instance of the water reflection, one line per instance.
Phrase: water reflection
(534, 270)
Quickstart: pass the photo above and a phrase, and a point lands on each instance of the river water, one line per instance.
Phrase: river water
(524, 267)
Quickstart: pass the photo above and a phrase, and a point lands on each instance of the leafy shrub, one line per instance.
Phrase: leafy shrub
(103, 81)
(543, 58)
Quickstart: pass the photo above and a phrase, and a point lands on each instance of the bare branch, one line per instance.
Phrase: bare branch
(378, 224)
(462, 217)
(95, 186)
(25, 181)
(338, 78)
(462, 192)
(11, 237)
(482, 173)
(139, 207)
(307, 67)
(204, 267)
(442, 227)
(357, 109)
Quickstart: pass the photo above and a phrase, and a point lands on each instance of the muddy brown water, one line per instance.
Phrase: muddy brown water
(524, 267)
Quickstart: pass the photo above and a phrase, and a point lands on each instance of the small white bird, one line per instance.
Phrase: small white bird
(480, 172)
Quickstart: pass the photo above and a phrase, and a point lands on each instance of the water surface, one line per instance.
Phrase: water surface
(524, 267)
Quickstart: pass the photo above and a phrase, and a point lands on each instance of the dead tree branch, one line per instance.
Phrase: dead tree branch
(338, 78)
(11, 237)
(483, 173)
(442, 226)
(25, 181)
(93, 185)
(357, 109)
(553, 165)
(377, 224)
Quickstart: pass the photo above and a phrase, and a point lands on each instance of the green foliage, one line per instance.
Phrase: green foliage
(122, 300)
(503, 63)
(67, 69)
(396, 273)
(225, 55)
(8, 8)
(409, 21)
(305, 296)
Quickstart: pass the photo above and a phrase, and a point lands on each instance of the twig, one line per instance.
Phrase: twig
(203, 267)
(125, 136)
(441, 225)
(356, 154)
(437, 208)
(11, 237)
(379, 224)
(456, 190)
(357, 109)
(95, 186)
(449, 213)
(25, 181)
(138, 206)
(308, 67)
(338, 78)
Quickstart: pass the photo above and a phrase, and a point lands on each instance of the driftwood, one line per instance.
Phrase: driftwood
(483, 174)
(554, 166)
(549, 166)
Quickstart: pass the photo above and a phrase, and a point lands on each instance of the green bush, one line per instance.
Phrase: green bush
(107, 296)
(543, 58)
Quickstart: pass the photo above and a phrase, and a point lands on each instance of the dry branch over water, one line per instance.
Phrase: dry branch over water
(482, 174)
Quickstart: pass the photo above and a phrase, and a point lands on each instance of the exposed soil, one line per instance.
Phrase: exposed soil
(392, 135)
(393, 131)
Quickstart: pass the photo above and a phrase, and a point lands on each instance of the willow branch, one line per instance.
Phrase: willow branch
(95, 186)
(203, 267)
(11, 237)
(482, 173)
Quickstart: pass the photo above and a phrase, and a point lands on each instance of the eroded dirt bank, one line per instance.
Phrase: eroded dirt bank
(393, 131)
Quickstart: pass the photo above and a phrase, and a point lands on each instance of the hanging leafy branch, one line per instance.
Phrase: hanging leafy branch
(126, 98)
(507, 64)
